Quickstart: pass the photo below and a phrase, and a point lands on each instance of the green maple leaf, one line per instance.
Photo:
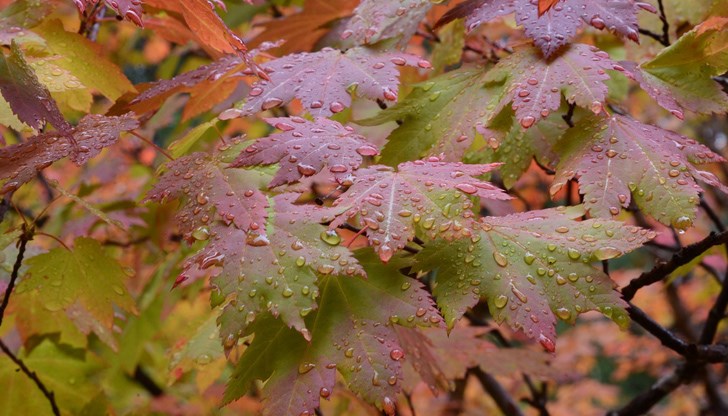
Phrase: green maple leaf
(532, 267)
(351, 332)
(84, 59)
(64, 372)
(273, 269)
(508, 143)
(681, 75)
(438, 116)
(84, 282)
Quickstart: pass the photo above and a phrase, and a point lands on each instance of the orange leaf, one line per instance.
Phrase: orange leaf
(545, 5)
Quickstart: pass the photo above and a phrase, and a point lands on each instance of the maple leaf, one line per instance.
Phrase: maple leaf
(441, 356)
(535, 85)
(275, 272)
(217, 79)
(304, 148)
(617, 159)
(24, 14)
(428, 194)
(352, 333)
(84, 59)
(207, 188)
(85, 282)
(545, 5)
(439, 116)
(28, 98)
(54, 365)
(375, 20)
(321, 79)
(554, 26)
(301, 31)
(129, 9)
(680, 76)
(532, 267)
(19, 163)
(508, 143)
(209, 29)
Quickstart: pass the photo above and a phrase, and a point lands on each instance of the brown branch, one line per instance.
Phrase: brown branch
(664, 37)
(681, 258)
(505, 402)
(26, 236)
(33, 376)
(663, 387)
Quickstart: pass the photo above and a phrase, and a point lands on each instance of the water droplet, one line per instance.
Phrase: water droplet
(606, 253)
(396, 354)
(500, 259)
(500, 301)
(527, 122)
(330, 237)
(306, 367)
(203, 359)
(563, 313)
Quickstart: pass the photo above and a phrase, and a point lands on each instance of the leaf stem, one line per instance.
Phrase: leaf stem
(151, 143)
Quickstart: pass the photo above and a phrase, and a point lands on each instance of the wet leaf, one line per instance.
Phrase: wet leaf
(321, 79)
(552, 24)
(439, 116)
(20, 163)
(84, 282)
(680, 77)
(426, 195)
(376, 20)
(273, 268)
(617, 159)
(218, 79)
(532, 268)
(29, 100)
(209, 192)
(352, 333)
(534, 86)
(304, 29)
(303, 148)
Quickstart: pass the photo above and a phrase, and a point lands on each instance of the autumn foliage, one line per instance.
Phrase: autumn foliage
(365, 207)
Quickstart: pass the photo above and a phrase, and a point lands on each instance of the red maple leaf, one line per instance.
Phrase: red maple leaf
(552, 24)
(303, 148)
(427, 194)
(321, 79)
(20, 163)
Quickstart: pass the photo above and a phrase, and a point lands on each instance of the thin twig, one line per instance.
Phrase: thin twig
(681, 258)
(663, 387)
(33, 376)
(505, 402)
(151, 143)
(26, 236)
(663, 38)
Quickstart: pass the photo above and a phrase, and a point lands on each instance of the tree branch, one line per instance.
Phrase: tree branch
(26, 236)
(681, 258)
(501, 397)
(664, 386)
(33, 376)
